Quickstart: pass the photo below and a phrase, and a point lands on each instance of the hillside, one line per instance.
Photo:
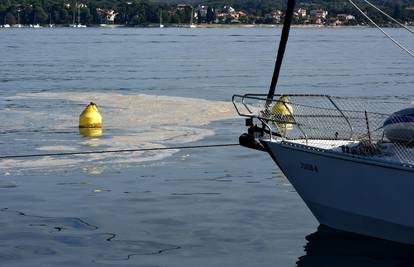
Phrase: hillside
(141, 12)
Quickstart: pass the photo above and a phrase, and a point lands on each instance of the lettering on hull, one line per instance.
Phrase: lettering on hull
(309, 167)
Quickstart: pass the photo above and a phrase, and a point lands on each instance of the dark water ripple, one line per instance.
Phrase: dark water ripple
(65, 231)
(330, 247)
(75, 223)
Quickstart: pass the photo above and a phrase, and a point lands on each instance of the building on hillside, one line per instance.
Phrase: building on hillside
(200, 13)
(229, 14)
(318, 14)
(318, 21)
(228, 9)
(107, 16)
(337, 22)
(350, 17)
(110, 16)
(76, 5)
(241, 14)
(183, 6)
(274, 15)
(301, 13)
(345, 17)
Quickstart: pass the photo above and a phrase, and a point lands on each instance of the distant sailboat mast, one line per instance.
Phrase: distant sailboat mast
(34, 18)
(18, 18)
(192, 25)
(50, 19)
(79, 22)
(161, 25)
(76, 18)
(73, 14)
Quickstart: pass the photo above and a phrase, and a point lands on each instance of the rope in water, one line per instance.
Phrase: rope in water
(379, 28)
(114, 151)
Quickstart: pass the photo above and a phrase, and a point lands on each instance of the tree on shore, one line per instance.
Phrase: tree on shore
(210, 16)
(39, 15)
(10, 19)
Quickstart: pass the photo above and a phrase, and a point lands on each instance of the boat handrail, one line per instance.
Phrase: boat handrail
(316, 119)
(315, 111)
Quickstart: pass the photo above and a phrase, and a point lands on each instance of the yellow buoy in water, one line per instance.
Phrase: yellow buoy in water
(283, 111)
(90, 121)
(90, 132)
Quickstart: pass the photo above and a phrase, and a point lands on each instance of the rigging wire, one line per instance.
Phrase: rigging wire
(384, 32)
(388, 16)
(115, 151)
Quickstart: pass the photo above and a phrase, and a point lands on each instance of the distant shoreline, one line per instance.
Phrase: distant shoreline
(204, 26)
(274, 26)
(208, 26)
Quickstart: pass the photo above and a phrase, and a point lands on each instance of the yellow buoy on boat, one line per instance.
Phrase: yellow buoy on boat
(282, 106)
(282, 112)
(90, 121)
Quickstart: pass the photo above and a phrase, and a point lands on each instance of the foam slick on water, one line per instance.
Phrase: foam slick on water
(131, 121)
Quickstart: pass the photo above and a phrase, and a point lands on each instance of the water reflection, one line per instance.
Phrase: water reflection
(330, 247)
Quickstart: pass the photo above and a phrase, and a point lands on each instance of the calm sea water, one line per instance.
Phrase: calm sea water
(205, 207)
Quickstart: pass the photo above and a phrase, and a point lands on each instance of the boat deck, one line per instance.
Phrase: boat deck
(387, 152)
(323, 144)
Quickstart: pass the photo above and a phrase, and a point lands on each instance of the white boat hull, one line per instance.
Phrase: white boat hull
(348, 193)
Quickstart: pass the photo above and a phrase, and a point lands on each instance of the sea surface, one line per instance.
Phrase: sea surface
(221, 206)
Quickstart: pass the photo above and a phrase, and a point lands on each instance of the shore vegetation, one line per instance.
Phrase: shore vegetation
(147, 12)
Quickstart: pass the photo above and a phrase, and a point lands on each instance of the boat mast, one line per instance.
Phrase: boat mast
(79, 22)
(161, 25)
(282, 45)
(192, 15)
(73, 13)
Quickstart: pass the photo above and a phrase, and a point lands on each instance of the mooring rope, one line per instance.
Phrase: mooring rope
(115, 151)
(384, 32)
